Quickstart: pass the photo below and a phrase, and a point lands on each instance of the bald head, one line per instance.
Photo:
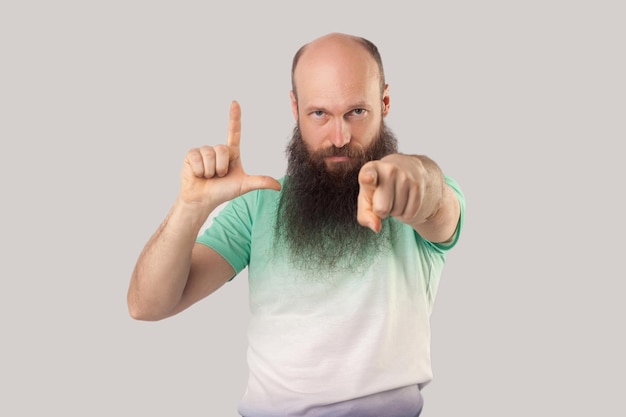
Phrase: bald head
(338, 51)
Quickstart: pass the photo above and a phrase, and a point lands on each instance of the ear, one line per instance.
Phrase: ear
(386, 100)
(294, 105)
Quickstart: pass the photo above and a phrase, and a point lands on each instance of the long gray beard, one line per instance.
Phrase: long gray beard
(316, 225)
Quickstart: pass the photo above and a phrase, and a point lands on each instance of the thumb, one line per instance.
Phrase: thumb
(259, 182)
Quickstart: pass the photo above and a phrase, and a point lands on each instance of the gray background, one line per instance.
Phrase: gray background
(522, 102)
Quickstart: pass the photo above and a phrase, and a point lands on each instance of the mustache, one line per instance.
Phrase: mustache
(345, 151)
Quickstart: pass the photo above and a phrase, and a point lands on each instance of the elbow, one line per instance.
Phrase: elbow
(143, 311)
(138, 314)
(144, 315)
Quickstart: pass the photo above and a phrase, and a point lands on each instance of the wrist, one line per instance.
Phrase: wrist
(191, 213)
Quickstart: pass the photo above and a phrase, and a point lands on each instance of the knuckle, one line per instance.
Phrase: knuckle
(222, 153)
(393, 171)
(382, 210)
(207, 152)
(220, 148)
(193, 155)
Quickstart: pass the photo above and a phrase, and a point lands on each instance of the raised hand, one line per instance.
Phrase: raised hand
(393, 186)
(212, 175)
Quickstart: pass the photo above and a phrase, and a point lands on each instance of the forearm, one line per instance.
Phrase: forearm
(162, 269)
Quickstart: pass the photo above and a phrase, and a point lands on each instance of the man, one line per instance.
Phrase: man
(344, 253)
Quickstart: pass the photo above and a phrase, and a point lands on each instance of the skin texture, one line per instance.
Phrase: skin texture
(339, 102)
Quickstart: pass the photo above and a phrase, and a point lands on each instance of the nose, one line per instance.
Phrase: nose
(340, 135)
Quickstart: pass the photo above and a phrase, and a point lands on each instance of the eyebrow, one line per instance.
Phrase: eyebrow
(355, 105)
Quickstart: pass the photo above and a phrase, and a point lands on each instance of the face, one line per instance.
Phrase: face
(339, 102)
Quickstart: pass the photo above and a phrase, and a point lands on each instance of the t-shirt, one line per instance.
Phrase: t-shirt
(338, 344)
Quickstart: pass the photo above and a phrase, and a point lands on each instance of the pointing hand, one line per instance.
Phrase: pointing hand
(392, 186)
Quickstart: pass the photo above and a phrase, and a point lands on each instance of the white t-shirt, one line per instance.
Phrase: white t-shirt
(356, 344)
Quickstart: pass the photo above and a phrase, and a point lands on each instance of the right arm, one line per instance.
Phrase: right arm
(173, 272)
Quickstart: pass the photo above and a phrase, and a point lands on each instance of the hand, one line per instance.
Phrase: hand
(214, 174)
(393, 186)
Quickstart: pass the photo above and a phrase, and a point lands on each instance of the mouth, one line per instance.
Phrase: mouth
(338, 159)
(340, 164)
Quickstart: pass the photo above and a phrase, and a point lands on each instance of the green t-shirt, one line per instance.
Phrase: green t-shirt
(318, 342)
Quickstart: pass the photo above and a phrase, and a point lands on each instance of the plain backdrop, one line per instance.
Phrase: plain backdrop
(523, 102)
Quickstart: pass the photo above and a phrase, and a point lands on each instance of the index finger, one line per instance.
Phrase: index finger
(234, 125)
(368, 181)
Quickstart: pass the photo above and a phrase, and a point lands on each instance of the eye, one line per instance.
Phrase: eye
(358, 112)
(318, 113)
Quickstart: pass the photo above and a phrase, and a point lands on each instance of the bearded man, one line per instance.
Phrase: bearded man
(344, 253)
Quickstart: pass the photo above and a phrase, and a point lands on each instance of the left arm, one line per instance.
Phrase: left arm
(412, 189)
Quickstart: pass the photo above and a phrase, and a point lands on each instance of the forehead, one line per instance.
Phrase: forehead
(337, 72)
